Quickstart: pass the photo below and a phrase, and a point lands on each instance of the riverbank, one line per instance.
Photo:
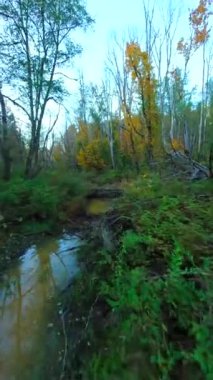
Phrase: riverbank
(81, 219)
(141, 309)
(13, 245)
(33, 209)
(32, 309)
(47, 205)
(27, 286)
(143, 297)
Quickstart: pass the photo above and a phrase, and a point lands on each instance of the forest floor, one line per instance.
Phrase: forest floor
(142, 306)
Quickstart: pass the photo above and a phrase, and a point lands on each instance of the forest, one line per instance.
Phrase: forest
(121, 197)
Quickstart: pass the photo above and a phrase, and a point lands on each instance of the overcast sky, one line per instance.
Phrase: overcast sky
(120, 18)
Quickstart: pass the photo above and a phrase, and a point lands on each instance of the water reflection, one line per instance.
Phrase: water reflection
(24, 307)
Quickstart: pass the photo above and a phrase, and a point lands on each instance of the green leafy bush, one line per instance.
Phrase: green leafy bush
(42, 198)
(158, 287)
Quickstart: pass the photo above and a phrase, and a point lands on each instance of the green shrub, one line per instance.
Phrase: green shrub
(41, 198)
(158, 286)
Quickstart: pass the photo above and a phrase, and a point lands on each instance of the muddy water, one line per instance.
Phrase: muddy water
(31, 345)
(97, 206)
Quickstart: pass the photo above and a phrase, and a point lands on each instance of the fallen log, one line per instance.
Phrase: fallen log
(105, 193)
(197, 171)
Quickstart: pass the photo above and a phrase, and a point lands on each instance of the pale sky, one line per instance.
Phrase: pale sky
(121, 17)
(118, 17)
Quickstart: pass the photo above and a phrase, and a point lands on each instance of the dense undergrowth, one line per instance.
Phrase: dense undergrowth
(145, 308)
(37, 205)
(142, 308)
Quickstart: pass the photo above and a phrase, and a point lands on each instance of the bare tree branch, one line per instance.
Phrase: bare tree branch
(17, 104)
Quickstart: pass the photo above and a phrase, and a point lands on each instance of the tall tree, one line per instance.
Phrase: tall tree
(34, 44)
(4, 140)
(199, 22)
(139, 64)
(124, 90)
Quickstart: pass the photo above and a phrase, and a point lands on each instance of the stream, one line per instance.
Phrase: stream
(31, 345)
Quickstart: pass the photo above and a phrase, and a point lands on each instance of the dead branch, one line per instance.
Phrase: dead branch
(65, 346)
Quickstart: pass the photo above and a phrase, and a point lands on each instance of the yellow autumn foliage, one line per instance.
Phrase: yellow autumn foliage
(83, 134)
(177, 145)
(91, 156)
(58, 153)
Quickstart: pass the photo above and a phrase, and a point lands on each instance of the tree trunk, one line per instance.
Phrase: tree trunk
(134, 154)
(211, 161)
(201, 122)
(32, 163)
(186, 140)
(149, 142)
(29, 163)
(4, 143)
(111, 144)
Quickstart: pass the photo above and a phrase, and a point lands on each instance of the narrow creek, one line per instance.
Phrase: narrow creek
(31, 347)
